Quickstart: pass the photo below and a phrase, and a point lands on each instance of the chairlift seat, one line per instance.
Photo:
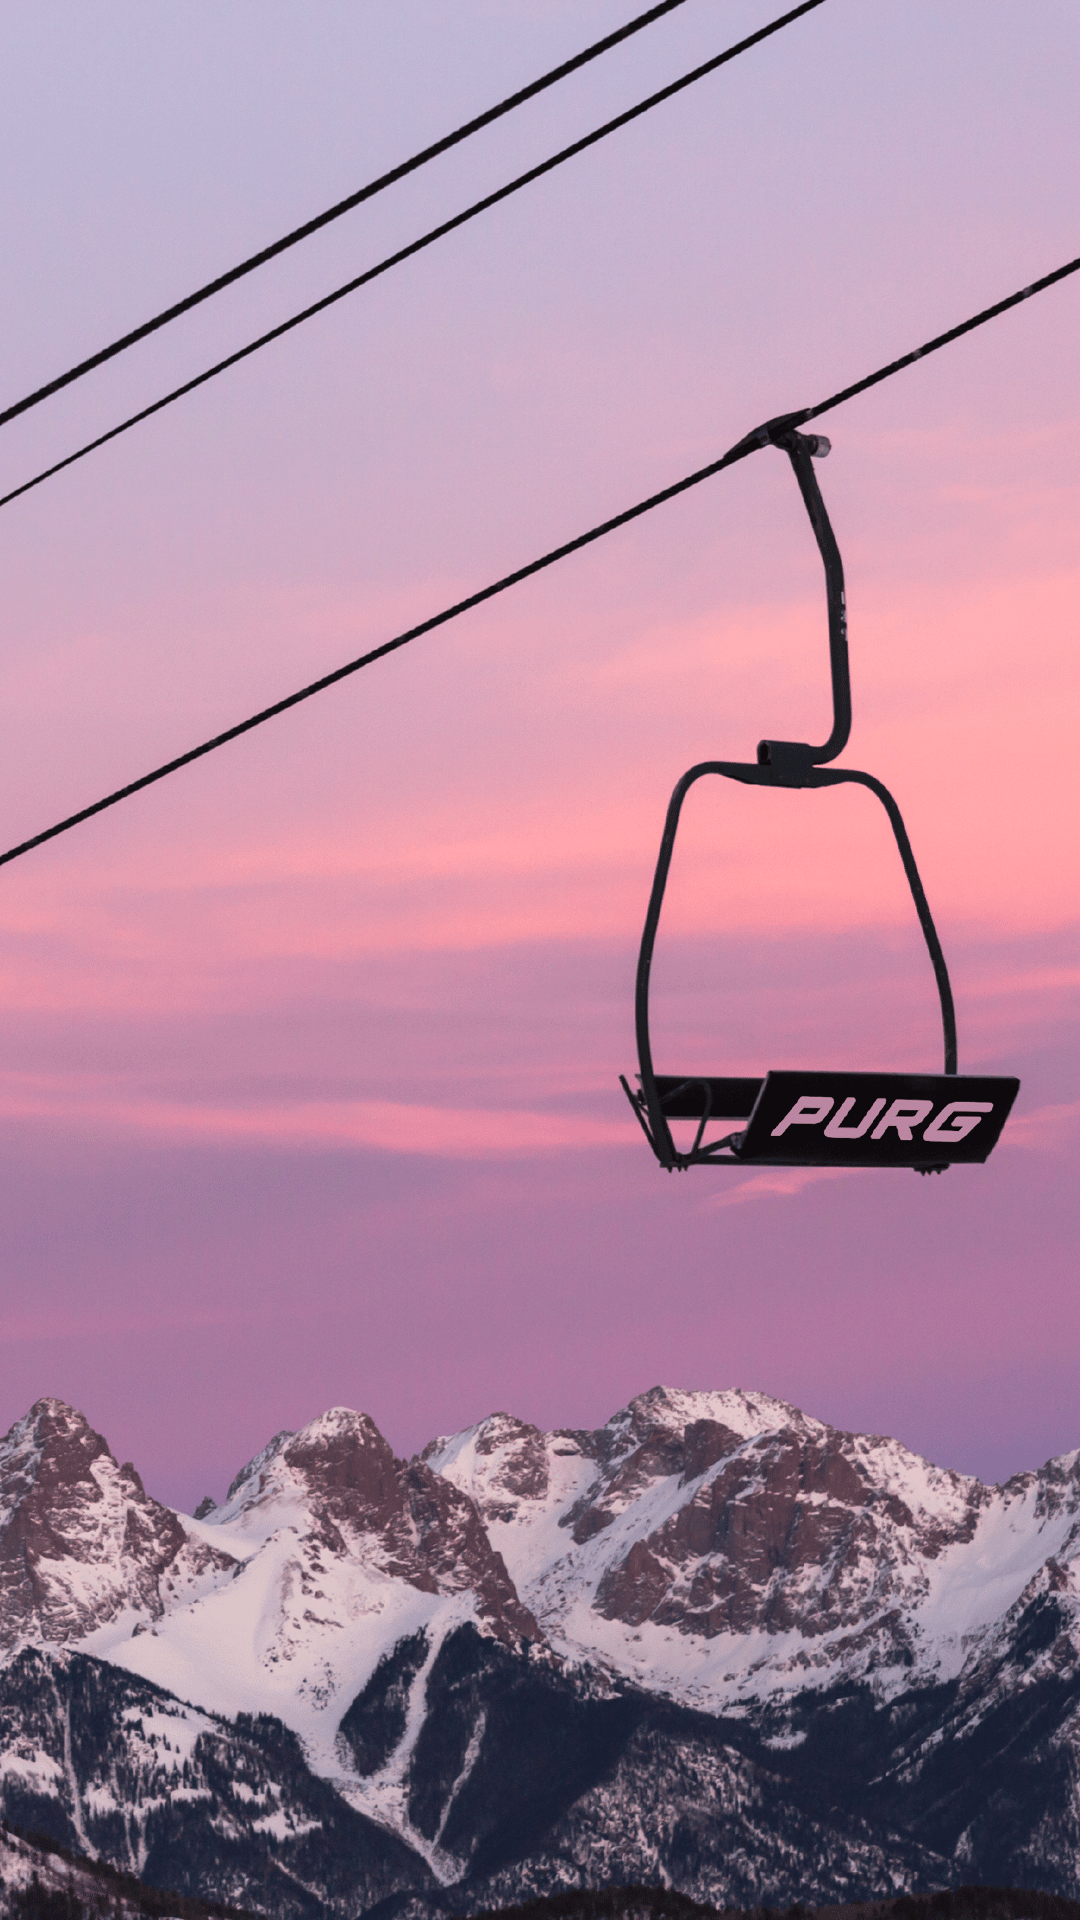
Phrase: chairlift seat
(926, 1121)
(823, 1119)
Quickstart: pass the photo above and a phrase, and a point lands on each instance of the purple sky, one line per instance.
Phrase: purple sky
(309, 1057)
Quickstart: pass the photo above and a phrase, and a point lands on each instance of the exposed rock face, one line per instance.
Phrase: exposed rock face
(714, 1642)
(357, 1500)
(716, 1544)
(518, 1458)
(790, 1533)
(80, 1541)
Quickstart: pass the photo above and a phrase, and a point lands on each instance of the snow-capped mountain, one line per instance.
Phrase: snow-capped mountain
(722, 1547)
(332, 1551)
(713, 1643)
(81, 1544)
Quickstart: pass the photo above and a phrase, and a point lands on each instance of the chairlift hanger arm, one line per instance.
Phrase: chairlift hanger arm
(791, 757)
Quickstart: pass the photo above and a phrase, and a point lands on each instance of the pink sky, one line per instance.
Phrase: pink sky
(308, 1083)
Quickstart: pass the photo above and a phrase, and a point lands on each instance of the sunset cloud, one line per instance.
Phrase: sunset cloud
(309, 1056)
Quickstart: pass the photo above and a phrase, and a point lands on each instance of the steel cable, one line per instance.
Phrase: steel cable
(340, 207)
(761, 436)
(414, 247)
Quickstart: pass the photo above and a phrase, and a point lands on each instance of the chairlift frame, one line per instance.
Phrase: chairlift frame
(801, 1119)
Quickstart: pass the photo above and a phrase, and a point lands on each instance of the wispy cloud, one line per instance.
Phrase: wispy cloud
(1043, 1129)
(398, 1127)
(772, 1181)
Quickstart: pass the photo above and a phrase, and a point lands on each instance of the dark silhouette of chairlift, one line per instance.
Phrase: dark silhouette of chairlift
(925, 1121)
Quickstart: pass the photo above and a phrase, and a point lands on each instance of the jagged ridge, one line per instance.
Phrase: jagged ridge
(714, 1642)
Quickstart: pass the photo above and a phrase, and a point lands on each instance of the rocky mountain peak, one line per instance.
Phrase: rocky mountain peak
(80, 1541)
(350, 1469)
(714, 1544)
(502, 1463)
(339, 1485)
(254, 1467)
(846, 1614)
(1058, 1485)
(339, 1465)
(673, 1409)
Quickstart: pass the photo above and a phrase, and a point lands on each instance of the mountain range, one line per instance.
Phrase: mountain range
(714, 1644)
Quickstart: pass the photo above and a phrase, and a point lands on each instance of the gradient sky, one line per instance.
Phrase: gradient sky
(309, 1057)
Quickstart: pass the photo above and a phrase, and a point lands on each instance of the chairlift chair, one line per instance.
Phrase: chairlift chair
(815, 1119)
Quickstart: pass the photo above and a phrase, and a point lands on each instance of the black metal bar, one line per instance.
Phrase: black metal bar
(749, 774)
(780, 762)
(663, 1144)
(835, 776)
(793, 756)
(635, 1100)
(801, 451)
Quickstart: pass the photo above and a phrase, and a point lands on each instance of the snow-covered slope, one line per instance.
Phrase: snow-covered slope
(716, 1547)
(715, 1580)
(722, 1546)
(334, 1551)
